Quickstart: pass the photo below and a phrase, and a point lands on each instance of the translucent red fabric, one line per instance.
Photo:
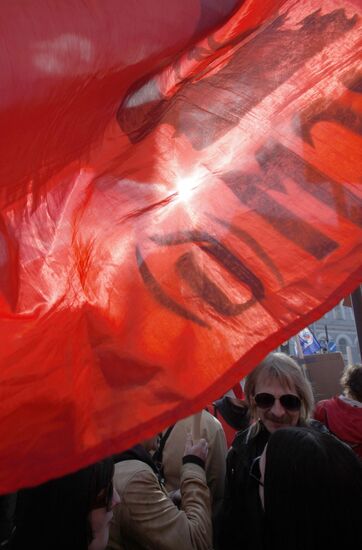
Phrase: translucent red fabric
(180, 193)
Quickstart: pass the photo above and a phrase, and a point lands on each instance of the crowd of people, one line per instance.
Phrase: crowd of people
(291, 478)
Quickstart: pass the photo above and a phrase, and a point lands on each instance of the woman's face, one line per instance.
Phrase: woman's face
(100, 519)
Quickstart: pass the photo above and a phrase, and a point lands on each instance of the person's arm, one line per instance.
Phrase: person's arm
(151, 519)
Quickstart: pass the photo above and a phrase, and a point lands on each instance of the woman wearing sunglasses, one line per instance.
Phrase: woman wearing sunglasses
(278, 395)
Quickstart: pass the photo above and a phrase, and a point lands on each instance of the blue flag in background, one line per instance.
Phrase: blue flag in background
(308, 342)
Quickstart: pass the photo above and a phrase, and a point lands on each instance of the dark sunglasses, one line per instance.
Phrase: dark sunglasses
(288, 401)
(254, 471)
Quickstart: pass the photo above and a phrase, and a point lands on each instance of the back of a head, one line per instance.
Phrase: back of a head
(351, 382)
(312, 491)
(55, 514)
(281, 367)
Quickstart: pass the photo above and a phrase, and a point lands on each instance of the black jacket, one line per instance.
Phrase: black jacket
(241, 521)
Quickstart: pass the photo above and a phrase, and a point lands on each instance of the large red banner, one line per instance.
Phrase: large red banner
(180, 192)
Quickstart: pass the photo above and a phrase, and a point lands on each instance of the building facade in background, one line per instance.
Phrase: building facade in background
(339, 324)
(341, 328)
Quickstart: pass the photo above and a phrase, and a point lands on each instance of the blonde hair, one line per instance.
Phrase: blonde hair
(281, 367)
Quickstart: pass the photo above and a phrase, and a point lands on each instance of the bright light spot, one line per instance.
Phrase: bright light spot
(186, 185)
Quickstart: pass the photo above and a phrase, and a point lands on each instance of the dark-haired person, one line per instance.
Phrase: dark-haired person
(343, 414)
(310, 488)
(278, 395)
(68, 513)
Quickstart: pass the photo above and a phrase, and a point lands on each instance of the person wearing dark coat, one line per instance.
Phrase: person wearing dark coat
(278, 395)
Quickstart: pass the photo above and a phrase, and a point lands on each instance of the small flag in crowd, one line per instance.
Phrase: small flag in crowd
(308, 342)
